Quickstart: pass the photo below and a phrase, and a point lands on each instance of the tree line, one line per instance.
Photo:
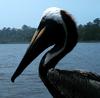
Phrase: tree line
(14, 35)
(87, 32)
(90, 31)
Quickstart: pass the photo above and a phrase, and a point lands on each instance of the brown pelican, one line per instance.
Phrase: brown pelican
(58, 29)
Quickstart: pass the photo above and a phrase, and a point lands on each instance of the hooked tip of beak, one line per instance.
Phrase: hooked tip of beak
(12, 80)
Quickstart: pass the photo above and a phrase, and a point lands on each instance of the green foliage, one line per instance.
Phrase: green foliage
(13, 35)
(90, 31)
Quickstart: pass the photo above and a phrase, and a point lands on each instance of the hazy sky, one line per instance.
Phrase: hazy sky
(15, 13)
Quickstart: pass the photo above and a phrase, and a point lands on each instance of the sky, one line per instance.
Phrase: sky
(15, 13)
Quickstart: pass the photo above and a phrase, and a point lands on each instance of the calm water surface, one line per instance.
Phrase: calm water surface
(85, 56)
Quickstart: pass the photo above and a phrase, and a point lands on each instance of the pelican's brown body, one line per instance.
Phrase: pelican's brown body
(75, 83)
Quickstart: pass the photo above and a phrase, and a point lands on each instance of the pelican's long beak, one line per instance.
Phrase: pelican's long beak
(38, 44)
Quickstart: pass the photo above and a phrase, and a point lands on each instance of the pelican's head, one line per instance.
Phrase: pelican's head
(56, 28)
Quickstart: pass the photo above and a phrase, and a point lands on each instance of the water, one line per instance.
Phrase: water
(85, 56)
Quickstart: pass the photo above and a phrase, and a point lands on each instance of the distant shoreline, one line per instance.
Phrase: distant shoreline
(89, 42)
(29, 42)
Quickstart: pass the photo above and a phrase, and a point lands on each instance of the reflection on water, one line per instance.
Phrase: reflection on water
(85, 56)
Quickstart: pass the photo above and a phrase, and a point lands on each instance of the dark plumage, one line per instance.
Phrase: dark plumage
(57, 28)
(75, 84)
